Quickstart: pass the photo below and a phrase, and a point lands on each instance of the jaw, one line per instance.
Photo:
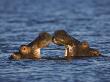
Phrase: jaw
(58, 42)
(36, 53)
(55, 41)
(69, 51)
(43, 44)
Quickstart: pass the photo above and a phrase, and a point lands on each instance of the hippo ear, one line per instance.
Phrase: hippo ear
(85, 43)
(24, 45)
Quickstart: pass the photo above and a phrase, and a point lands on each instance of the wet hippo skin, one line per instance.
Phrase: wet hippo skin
(73, 47)
(32, 50)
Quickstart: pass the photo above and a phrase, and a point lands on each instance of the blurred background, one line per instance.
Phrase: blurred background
(22, 20)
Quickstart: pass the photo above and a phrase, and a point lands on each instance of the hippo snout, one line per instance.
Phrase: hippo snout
(15, 56)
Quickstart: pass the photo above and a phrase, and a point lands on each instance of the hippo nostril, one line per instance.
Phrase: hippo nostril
(11, 57)
(23, 48)
(100, 54)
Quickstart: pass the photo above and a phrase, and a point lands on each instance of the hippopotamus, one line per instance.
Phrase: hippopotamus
(73, 47)
(32, 50)
(85, 50)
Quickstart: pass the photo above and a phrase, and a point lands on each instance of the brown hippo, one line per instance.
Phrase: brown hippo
(32, 50)
(73, 47)
(85, 50)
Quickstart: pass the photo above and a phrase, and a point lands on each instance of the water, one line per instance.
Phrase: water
(22, 20)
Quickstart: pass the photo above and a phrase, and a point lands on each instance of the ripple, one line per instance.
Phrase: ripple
(21, 21)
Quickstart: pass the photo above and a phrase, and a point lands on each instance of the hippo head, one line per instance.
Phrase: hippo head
(61, 37)
(43, 40)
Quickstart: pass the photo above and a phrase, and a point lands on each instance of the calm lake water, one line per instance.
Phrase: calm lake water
(22, 20)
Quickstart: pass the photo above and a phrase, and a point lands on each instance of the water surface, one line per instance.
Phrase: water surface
(22, 20)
